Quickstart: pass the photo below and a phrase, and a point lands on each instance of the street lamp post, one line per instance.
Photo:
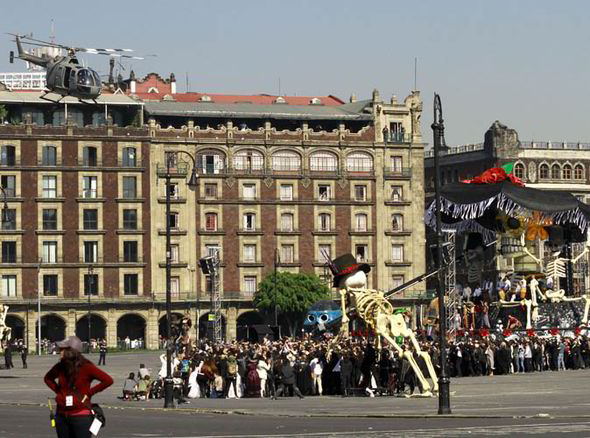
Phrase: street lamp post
(444, 401)
(39, 309)
(90, 287)
(192, 183)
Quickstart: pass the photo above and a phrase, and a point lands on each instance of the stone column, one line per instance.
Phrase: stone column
(111, 328)
(31, 330)
(71, 323)
(151, 330)
(231, 318)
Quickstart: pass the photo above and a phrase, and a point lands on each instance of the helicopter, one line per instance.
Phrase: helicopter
(65, 75)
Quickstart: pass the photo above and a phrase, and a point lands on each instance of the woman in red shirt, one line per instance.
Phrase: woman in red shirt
(70, 379)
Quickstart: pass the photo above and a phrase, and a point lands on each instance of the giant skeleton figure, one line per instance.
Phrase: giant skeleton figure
(555, 269)
(372, 307)
(5, 331)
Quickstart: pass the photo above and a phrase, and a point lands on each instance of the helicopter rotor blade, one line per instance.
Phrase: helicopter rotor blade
(27, 39)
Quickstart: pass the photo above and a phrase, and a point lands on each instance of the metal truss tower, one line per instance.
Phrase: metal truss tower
(452, 297)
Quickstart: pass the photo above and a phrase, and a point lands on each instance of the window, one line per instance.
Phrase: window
(567, 171)
(286, 192)
(324, 253)
(212, 251)
(129, 157)
(10, 221)
(397, 165)
(50, 285)
(89, 156)
(324, 222)
(249, 286)
(130, 284)
(91, 284)
(286, 222)
(397, 222)
(287, 254)
(173, 220)
(7, 155)
(360, 193)
(210, 190)
(397, 193)
(208, 284)
(324, 192)
(249, 191)
(130, 251)
(89, 187)
(130, 219)
(49, 219)
(359, 162)
(210, 221)
(544, 171)
(129, 187)
(360, 221)
(396, 280)
(49, 186)
(579, 171)
(174, 251)
(286, 161)
(49, 156)
(90, 252)
(50, 252)
(250, 253)
(555, 171)
(8, 252)
(8, 286)
(8, 182)
(175, 287)
(361, 253)
(211, 163)
(171, 159)
(249, 221)
(397, 253)
(90, 218)
(323, 162)
(519, 170)
(248, 161)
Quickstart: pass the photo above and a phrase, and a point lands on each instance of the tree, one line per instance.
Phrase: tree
(295, 293)
(3, 113)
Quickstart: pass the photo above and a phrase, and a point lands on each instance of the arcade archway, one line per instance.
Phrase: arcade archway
(17, 325)
(206, 327)
(98, 328)
(131, 326)
(53, 328)
(246, 322)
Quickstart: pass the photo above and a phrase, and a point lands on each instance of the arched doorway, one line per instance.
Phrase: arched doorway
(206, 327)
(17, 326)
(174, 316)
(245, 323)
(131, 326)
(98, 328)
(53, 328)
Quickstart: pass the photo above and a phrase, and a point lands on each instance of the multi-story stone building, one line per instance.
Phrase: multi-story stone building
(280, 179)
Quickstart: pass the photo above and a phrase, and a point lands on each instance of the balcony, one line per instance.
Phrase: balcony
(173, 232)
(397, 137)
(89, 163)
(399, 232)
(178, 170)
(173, 200)
(174, 264)
(398, 263)
(93, 261)
(130, 164)
(131, 261)
(397, 172)
(250, 231)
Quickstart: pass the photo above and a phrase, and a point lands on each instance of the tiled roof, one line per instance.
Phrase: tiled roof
(257, 99)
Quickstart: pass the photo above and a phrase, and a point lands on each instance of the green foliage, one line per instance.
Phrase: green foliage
(3, 113)
(294, 294)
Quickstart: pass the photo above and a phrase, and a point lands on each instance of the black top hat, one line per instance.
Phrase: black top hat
(344, 265)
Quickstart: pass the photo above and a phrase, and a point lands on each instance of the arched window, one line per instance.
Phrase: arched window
(544, 171)
(324, 222)
(579, 171)
(519, 170)
(397, 222)
(555, 171)
(567, 171)
(359, 162)
(360, 221)
(210, 221)
(323, 162)
(286, 161)
(248, 161)
(210, 162)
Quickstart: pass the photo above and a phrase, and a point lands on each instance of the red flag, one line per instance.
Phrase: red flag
(507, 332)
(578, 331)
(484, 332)
(554, 331)
(530, 333)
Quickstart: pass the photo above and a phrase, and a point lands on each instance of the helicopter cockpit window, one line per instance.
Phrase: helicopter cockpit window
(85, 78)
(97, 80)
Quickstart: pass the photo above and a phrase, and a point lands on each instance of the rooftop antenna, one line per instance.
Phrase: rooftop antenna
(415, 72)
(52, 36)
(279, 85)
(187, 89)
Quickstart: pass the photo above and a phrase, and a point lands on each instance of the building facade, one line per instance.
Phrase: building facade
(281, 180)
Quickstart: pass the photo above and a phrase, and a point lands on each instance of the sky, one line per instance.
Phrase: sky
(525, 63)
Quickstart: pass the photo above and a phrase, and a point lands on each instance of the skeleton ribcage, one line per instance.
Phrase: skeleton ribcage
(370, 303)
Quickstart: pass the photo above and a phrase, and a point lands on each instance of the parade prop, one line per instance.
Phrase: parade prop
(378, 313)
(5, 331)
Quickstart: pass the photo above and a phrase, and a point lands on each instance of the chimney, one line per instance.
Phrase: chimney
(352, 98)
(172, 84)
(376, 96)
(132, 82)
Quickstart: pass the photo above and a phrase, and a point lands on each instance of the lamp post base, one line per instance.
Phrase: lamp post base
(444, 396)
(168, 392)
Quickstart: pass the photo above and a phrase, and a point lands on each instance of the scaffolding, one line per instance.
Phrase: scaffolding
(448, 263)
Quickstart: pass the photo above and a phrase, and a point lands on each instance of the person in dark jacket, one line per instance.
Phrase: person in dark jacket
(288, 380)
(102, 351)
(24, 352)
(345, 374)
(8, 356)
(71, 380)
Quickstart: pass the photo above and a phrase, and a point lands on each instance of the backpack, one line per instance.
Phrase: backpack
(232, 368)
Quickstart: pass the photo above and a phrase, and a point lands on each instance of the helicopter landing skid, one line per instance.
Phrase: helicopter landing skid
(88, 103)
(50, 100)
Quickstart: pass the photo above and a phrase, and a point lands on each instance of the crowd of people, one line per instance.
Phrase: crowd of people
(307, 367)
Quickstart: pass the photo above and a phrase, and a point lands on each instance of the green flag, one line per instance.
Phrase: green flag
(508, 167)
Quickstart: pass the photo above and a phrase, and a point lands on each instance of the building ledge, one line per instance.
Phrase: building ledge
(250, 265)
(398, 203)
(123, 231)
(288, 233)
(91, 232)
(174, 264)
(91, 200)
(5, 232)
(361, 233)
(398, 264)
(50, 232)
(257, 232)
(173, 232)
(130, 200)
(325, 233)
(172, 200)
(57, 199)
(398, 233)
(211, 233)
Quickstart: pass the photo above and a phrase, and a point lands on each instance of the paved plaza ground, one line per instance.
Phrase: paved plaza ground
(545, 404)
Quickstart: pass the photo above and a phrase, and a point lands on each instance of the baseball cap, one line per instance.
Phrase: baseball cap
(72, 342)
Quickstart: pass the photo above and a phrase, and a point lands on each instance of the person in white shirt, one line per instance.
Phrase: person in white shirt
(262, 369)
(316, 369)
